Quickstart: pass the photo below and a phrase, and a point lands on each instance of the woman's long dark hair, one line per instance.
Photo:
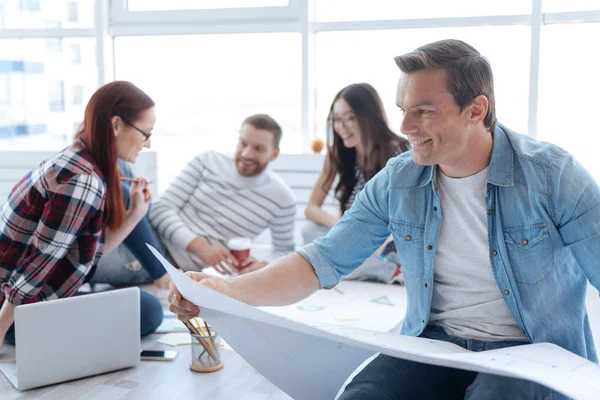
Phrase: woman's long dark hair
(116, 98)
(378, 140)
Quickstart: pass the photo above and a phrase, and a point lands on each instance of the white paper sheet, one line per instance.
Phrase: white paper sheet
(367, 305)
(310, 362)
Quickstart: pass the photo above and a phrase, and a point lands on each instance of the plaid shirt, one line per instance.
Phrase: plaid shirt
(51, 231)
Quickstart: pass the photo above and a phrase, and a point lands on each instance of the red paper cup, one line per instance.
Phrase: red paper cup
(240, 248)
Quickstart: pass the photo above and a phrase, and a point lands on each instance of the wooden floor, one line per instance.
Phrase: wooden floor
(156, 380)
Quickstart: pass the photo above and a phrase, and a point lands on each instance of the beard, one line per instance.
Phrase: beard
(249, 170)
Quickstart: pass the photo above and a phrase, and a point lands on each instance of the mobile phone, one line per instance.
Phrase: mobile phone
(158, 355)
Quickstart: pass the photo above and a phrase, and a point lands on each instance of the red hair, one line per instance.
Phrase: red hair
(118, 98)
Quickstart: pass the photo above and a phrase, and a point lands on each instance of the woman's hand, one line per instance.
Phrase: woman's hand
(184, 309)
(7, 317)
(139, 199)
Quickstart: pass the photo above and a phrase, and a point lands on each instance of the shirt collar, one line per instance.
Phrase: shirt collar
(501, 172)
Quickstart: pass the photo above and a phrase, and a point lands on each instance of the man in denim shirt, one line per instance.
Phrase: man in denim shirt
(513, 251)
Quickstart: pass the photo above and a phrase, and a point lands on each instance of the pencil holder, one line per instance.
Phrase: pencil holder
(206, 353)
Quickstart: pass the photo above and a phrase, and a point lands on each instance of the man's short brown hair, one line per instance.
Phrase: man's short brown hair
(266, 122)
(468, 73)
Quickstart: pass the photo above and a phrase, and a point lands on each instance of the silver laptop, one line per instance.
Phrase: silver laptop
(61, 340)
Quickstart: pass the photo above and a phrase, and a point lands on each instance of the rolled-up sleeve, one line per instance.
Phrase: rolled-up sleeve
(575, 204)
(355, 237)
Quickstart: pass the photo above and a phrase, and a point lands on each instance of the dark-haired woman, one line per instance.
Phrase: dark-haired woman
(359, 145)
(66, 212)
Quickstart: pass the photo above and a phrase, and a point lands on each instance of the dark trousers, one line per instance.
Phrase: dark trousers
(393, 378)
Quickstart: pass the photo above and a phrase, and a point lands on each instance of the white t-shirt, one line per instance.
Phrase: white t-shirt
(467, 302)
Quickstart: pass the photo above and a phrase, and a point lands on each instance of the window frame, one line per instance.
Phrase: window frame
(121, 15)
(112, 19)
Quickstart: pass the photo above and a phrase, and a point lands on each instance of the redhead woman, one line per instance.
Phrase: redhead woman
(64, 214)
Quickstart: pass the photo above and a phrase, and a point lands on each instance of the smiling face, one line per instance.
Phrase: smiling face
(345, 124)
(439, 133)
(129, 140)
(255, 149)
(436, 128)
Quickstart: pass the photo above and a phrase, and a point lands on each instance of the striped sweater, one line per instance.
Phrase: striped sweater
(211, 200)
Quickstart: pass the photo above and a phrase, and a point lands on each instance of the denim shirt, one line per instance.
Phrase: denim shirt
(543, 212)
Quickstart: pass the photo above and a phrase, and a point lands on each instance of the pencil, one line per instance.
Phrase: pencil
(207, 328)
(200, 327)
(126, 179)
(206, 344)
(190, 328)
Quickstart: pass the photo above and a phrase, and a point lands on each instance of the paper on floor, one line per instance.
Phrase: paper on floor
(176, 339)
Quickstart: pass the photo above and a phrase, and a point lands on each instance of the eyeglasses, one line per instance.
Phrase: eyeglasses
(348, 122)
(146, 135)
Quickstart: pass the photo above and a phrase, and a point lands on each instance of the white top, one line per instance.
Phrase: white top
(467, 302)
(211, 200)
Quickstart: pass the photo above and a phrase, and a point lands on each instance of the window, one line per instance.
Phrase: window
(569, 87)
(56, 96)
(75, 53)
(571, 5)
(54, 45)
(155, 5)
(343, 58)
(77, 92)
(205, 93)
(4, 88)
(38, 113)
(73, 12)
(359, 10)
(33, 14)
(2, 24)
(209, 12)
(29, 5)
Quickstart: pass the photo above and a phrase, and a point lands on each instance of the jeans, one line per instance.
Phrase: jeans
(393, 378)
(373, 269)
(151, 316)
(131, 263)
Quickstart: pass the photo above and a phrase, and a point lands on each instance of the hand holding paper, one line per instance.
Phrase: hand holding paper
(184, 309)
(286, 351)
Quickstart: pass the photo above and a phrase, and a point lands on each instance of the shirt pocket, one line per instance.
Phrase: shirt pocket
(408, 239)
(530, 252)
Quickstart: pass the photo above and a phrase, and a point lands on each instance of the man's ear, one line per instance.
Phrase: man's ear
(275, 153)
(116, 124)
(478, 109)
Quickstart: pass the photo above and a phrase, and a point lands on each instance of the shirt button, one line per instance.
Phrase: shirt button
(423, 321)
(506, 292)
(525, 241)
(434, 208)
(494, 252)
(426, 284)
(429, 247)
(407, 238)
(489, 212)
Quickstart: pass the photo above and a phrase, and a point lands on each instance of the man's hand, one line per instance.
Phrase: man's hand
(251, 264)
(184, 309)
(214, 256)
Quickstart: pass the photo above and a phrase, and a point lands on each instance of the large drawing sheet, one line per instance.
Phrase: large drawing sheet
(310, 362)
